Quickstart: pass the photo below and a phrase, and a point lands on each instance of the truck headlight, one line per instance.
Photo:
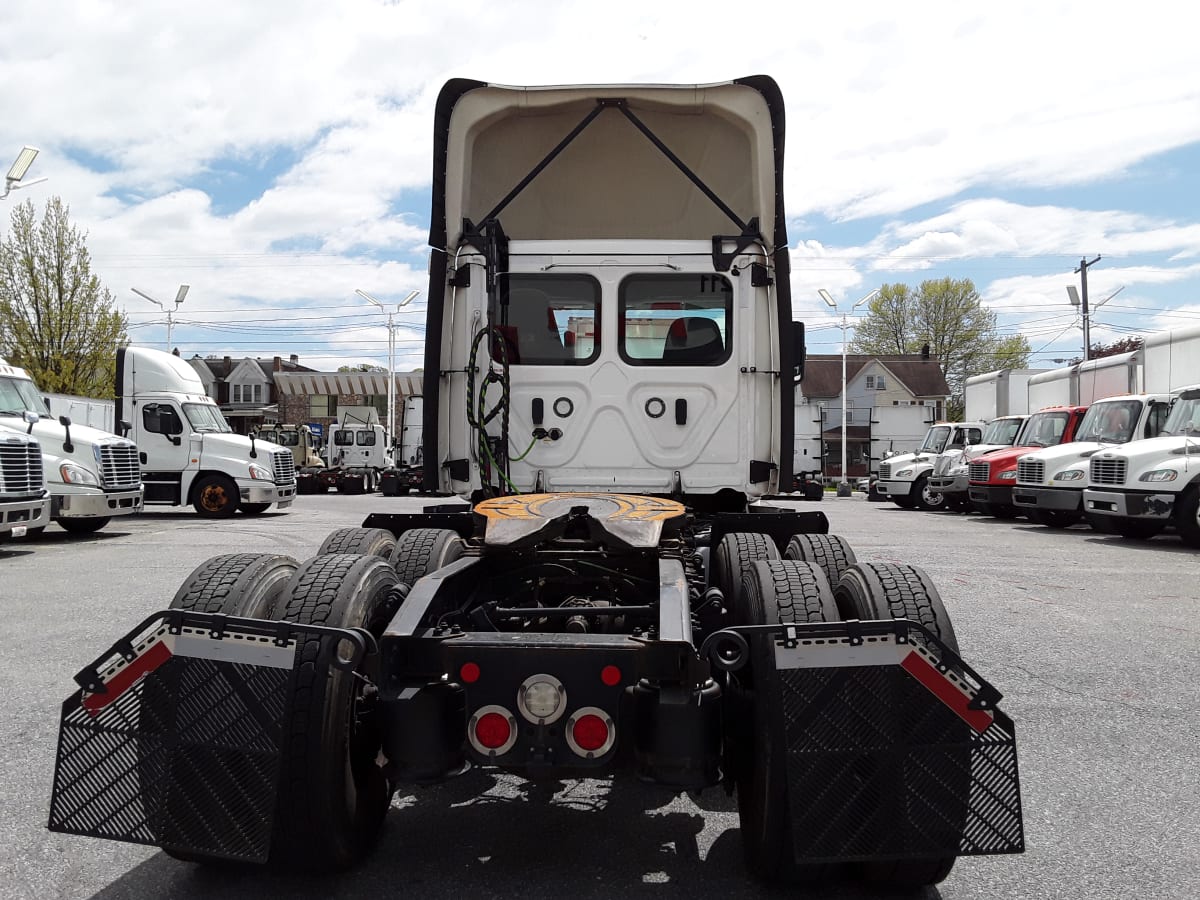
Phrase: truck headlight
(1068, 475)
(1010, 475)
(1159, 475)
(73, 474)
(903, 473)
(260, 474)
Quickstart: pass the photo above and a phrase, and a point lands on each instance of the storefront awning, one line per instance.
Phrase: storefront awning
(309, 384)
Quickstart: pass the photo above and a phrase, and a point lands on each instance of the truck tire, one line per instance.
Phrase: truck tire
(420, 551)
(998, 510)
(828, 551)
(1138, 529)
(895, 591)
(333, 796)
(236, 584)
(82, 526)
(1187, 516)
(364, 541)
(732, 558)
(925, 499)
(254, 509)
(1053, 518)
(778, 591)
(905, 502)
(1101, 524)
(215, 497)
(814, 491)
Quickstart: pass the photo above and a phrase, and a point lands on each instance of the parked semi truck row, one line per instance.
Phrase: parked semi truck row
(91, 475)
(609, 376)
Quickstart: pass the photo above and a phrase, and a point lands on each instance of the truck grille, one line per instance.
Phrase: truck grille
(119, 469)
(21, 467)
(283, 466)
(1031, 471)
(978, 471)
(1108, 471)
(885, 470)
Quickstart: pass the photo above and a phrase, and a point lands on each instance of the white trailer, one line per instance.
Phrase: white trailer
(408, 448)
(1058, 387)
(98, 414)
(898, 429)
(1139, 489)
(1001, 393)
(1108, 376)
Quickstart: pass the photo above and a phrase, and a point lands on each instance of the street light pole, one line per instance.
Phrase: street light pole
(180, 294)
(391, 327)
(844, 489)
(16, 172)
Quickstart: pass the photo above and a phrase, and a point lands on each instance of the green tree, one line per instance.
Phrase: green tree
(948, 315)
(362, 367)
(57, 321)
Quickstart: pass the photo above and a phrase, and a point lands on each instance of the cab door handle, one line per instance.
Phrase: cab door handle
(680, 411)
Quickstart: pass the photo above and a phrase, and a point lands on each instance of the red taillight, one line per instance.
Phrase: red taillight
(590, 733)
(492, 730)
(469, 673)
(610, 675)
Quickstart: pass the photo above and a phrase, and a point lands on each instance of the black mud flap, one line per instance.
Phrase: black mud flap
(895, 749)
(177, 735)
(890, 753)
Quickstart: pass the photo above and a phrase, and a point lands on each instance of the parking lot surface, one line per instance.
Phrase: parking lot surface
(1092, 639)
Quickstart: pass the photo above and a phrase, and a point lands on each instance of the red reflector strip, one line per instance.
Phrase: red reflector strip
(154, 657)
(946, 691)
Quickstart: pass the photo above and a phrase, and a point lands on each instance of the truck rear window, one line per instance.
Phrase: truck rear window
(675, 320)
(549, 320)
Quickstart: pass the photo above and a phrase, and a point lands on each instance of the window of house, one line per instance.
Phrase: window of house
(880, 384)
(237, 393)
(257, 389)
(870, 382)
(675, 320)
(378, 402)
(322, 405)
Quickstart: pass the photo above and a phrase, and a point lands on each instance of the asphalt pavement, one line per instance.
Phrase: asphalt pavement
(1092, 639)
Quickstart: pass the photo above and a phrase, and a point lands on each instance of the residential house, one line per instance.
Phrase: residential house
(872, 383)
(245, 388)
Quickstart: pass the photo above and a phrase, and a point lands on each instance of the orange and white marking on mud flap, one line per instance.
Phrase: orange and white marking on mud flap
(158, 646)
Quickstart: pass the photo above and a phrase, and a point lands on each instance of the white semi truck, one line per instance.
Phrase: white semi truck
(1141, 487)
(188, 452)
(1050, 482)
(24, 502)
(904, 479)
(92, 475)
(608, 276)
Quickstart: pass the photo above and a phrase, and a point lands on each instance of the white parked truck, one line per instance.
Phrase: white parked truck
(1001, 393)
(357, 451)
(24, 500)
(904, 479)
(612, 367)
(188, 452)
(1140, 488)
(92, 475)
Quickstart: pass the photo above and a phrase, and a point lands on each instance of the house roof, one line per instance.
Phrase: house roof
(922, 377)
(222, 366)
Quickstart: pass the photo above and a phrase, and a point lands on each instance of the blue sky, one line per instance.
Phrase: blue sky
(277, 157)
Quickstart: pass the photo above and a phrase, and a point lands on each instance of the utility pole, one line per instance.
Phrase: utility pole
(1087, 326)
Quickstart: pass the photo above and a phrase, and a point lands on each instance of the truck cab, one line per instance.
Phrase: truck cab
(904, 479)
(188, 452)
(1141, 487)
(24, 503)
(1050, 481)
(91, 475)
(991, 476)
(297, 438)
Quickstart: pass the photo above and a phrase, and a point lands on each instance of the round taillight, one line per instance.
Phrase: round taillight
(469, 673)
(492, 730)
(610, 675)
(590, 732)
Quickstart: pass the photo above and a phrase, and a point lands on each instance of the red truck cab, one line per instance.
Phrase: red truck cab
(991, 476)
